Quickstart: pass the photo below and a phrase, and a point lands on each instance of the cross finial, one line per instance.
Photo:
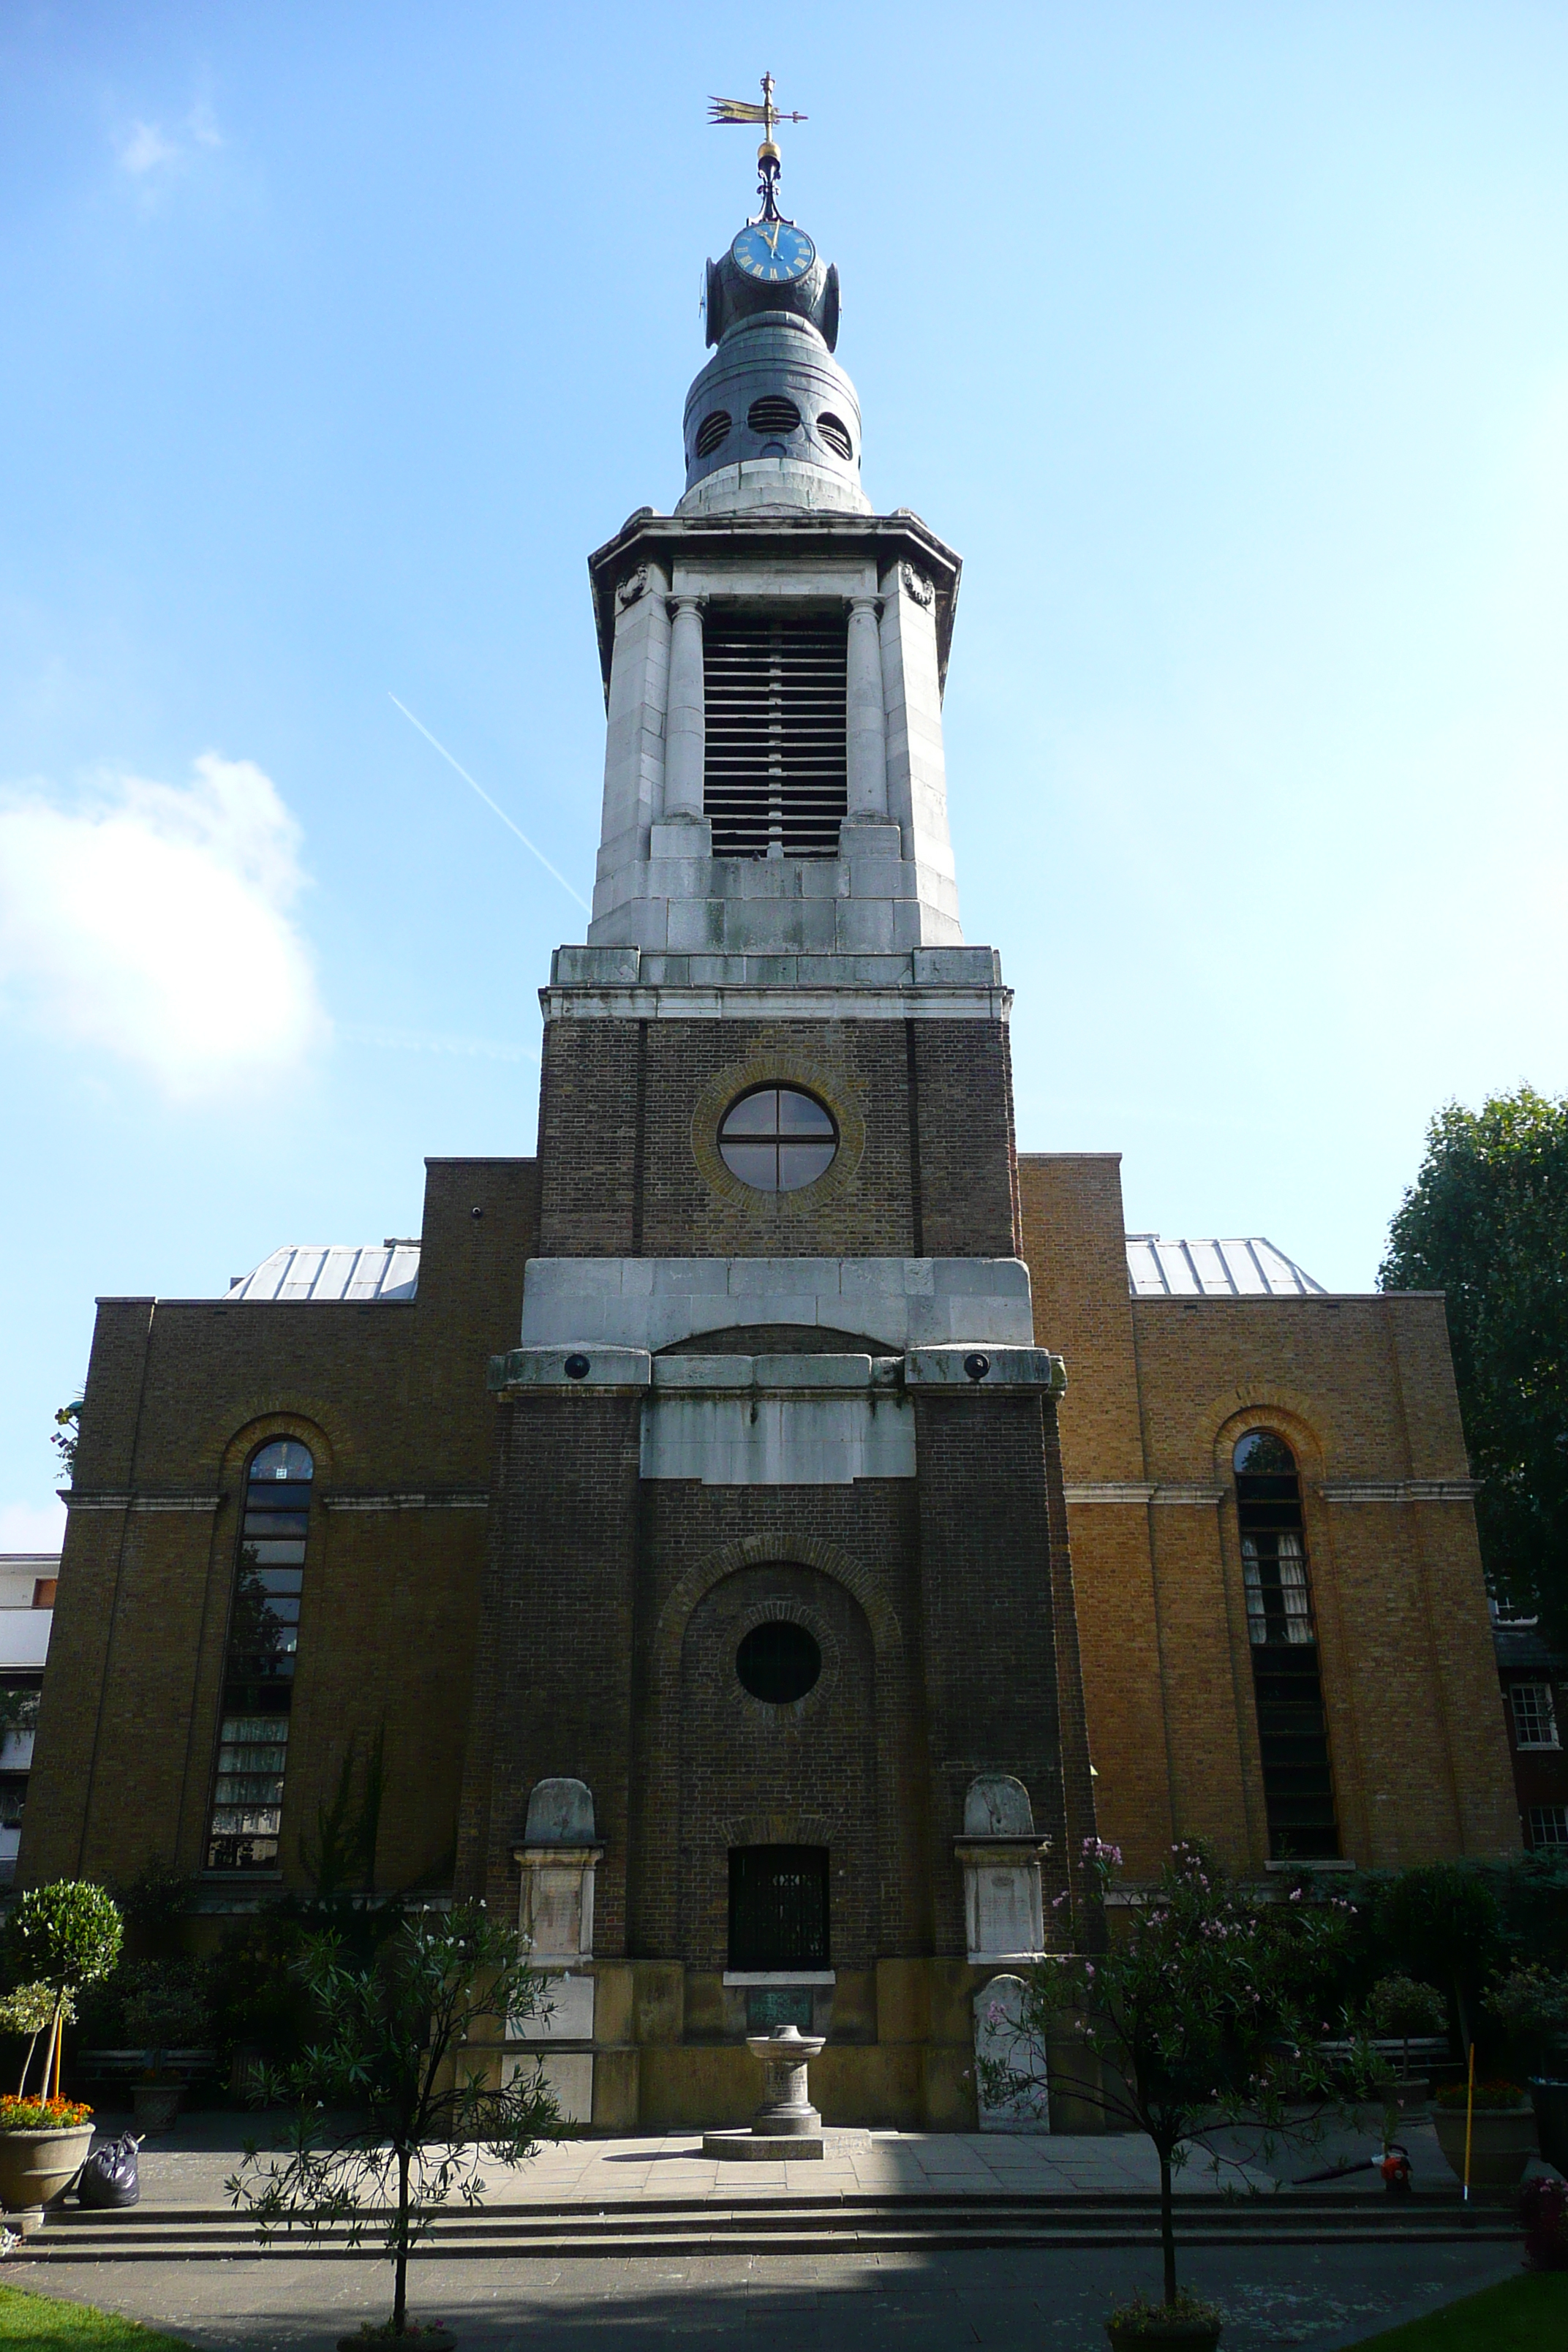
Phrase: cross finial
(746, 109)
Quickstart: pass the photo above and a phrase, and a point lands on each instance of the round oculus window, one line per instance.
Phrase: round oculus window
(778, 1661)
(778, 1139)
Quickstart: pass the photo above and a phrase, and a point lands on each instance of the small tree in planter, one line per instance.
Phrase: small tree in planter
(65, 1935)
(60, 1938)
(1401, 2006)
(166, 2010)
(30, 2010)
(1202, 2015)
(395, 2055)
(1445, 1918)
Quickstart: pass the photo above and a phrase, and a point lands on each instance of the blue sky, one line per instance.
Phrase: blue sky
(1228, 344)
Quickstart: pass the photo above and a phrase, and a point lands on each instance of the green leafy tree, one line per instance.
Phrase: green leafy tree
(64, 1935)
(1205, 2014)
(397, 2037)
(1530, 2004)
(165, 2009)
(1442, 1921)
(1487, 1222)
(1401, 2006)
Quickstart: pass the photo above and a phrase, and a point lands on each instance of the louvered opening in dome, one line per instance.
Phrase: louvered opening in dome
(773, 766)
(773, 413)
(713, 431)
(832, 430)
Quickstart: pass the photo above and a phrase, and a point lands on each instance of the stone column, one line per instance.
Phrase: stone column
(866, 744)
(685, 726)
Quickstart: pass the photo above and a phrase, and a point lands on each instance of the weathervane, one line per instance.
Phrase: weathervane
(746, 109)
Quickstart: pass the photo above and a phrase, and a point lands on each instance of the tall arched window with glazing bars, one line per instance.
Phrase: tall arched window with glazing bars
(258, 1666)
(1292, 1733)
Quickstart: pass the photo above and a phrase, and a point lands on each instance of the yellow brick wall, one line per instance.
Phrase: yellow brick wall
(1158, 1393)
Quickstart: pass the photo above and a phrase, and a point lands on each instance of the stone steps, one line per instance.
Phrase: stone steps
(922, 2222)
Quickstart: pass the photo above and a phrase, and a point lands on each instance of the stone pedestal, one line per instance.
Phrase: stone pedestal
(786, 2125)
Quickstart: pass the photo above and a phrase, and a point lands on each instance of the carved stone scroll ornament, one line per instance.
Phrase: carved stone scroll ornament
(634, 585)
(916, 585)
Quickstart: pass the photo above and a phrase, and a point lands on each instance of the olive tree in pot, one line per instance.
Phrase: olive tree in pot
(399, 2098)
(166, 2016)
(59, 1938)
(1402, 2007)
(1199, 2016)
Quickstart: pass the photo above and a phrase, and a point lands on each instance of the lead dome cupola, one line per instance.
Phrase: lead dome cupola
(772, 420)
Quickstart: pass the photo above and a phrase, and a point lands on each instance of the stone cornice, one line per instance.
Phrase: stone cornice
(648, 538)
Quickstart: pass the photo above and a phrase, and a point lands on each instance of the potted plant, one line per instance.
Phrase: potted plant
(164, 2013)
(1531, 2006)
(59, 1938)
(1501, 2129)
(396, 2035)
(1198, 2017)
(1401, 2006)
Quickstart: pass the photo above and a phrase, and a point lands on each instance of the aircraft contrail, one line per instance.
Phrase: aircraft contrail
(491, 805)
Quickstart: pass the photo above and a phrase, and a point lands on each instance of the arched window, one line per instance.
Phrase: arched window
(1298, 1786)
(258, 1669)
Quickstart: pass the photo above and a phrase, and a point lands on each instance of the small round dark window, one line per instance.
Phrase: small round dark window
(778, 1661)
(777, 1138)
(836, 434)
(772, 414)
(713, 431)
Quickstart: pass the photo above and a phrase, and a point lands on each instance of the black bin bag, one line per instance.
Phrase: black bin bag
(108, 2179)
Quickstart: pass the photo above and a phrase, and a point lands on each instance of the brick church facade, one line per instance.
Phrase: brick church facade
(776, 1525)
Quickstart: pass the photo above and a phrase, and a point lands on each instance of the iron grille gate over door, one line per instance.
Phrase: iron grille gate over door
(774, 778)
(778, 1906)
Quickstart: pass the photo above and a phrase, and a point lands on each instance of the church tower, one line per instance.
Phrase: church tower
(778, 1713)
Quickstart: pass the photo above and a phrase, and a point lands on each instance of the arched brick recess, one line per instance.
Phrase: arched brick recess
(1296, 1418)
(763, 1551)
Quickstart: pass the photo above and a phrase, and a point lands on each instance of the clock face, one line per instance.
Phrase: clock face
(775, 252)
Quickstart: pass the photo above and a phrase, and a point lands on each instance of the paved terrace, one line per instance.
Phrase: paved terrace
(190, 2165)
(1312, 2278)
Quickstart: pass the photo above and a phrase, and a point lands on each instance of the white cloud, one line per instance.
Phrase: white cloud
(154, 923)
(147, 149)
(32, 1526)
(143, 148)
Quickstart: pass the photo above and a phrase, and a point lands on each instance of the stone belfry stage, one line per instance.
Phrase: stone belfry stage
(778, 1709)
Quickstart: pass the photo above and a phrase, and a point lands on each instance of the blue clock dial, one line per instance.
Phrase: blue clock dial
(773, 252)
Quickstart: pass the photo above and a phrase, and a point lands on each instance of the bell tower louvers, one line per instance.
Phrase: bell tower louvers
(779, 1592)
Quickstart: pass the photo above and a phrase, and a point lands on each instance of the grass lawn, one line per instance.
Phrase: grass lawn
(1521, 2314)
(37, 2320)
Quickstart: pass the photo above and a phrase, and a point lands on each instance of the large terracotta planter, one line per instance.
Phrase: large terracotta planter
(35, 2166)
(1501, 2144)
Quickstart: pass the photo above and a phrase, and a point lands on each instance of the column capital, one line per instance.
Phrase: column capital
(862, 603)
(687, 605)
